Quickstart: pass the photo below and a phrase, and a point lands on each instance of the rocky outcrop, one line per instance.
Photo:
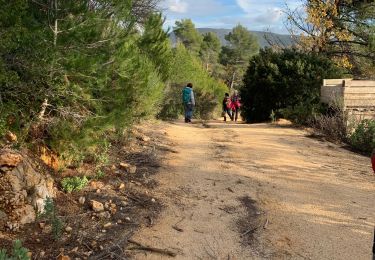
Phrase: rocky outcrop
(23, 190)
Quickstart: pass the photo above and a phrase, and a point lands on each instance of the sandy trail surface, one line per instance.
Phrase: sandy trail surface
(237, 191)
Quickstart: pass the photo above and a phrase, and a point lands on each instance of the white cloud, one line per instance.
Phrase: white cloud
(245, 5)
(176, 6)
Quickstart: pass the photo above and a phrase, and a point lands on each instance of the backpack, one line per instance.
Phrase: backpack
(186, 95)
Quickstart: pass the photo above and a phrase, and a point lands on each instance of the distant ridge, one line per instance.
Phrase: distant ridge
(284, 38)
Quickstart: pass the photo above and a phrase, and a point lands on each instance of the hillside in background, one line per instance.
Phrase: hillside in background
(262, 36)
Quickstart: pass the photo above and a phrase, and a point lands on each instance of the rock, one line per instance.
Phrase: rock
(127, 219)
(9, 158)
(145, 138)
(10, 137)
(128, 167)
(3, 216)
(42, 253)
(132, 169)
(122, 186)
(63, 257)
(98, 191)
(107, 225)
(153, 200)
(124, 165)
(81, 200)
(23, 190)
(96, 185)
(26, 214)
(68, 229)
(97, 206)
(104, 215)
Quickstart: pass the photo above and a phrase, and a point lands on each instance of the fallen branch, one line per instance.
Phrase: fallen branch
(151, 249)
(249, 231)
(177, 228)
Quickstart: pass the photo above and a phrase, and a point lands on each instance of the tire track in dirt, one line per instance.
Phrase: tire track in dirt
(287, 195)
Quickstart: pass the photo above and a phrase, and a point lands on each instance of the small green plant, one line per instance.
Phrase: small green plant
(2, 126)
(76, 183)
(50, 215)
(363, 137)
(102, 157)
(273, 116)
(18, 253)
(99, 175)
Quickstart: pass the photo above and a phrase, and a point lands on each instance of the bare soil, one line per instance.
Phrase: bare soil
(216, 190)
(237, 191)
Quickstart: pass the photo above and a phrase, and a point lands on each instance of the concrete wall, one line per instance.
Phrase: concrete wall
(357, 97)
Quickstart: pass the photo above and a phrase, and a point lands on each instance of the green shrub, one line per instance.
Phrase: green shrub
(76, 183)
(208, 91)
(18, 253)
(331, 123)
(288, 80)
(301, 114)
(363, 137)
(99, 175)
(50, 215)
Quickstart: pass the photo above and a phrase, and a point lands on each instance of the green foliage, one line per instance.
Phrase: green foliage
(99, 73)
(242, 46)
(301, 113)
(99, 175)
(187, 68)
(210, 51)
(50, 215)
(284, 81)
(363, 137)
(155, 44)
(3, 127)
(189, 36)
(18, 253)
(76, 183)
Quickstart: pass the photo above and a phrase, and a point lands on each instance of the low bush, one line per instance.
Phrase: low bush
(76, 183)
(18, 253)
(363, 137)
(332, 124)
(50, 215)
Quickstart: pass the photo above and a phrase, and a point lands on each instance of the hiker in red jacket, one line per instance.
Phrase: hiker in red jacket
(235, 105)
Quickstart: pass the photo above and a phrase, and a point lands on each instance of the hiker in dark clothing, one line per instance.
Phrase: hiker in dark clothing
(227, 107)
(189, 102)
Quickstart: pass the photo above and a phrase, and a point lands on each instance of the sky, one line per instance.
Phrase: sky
(256, 15)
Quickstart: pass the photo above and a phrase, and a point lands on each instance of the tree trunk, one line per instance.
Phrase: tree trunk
(232, 80)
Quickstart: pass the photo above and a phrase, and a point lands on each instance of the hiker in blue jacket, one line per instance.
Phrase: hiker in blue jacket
(189, 102)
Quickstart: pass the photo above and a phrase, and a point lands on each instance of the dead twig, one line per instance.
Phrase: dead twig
(251, 230)
(139, 246)
(266, 224)
(177, 228)
(230, 190)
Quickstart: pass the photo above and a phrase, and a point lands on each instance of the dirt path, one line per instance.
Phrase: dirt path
(261, 192)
